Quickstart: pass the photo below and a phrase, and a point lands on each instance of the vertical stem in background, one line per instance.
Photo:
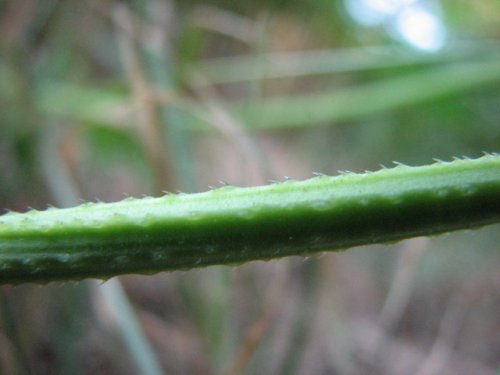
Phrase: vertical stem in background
(65, 194)
(398, 297)
(54, 170)
(303, 315)
(11, 330)
(20, 131)
(148, 119)
(117, 303)
(160, 68)
(68, 309)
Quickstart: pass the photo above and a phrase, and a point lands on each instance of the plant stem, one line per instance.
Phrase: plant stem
(234, 225)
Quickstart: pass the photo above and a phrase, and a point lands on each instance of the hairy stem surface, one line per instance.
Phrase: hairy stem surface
(233, 225)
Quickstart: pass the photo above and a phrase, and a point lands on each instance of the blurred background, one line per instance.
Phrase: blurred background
(103, 99)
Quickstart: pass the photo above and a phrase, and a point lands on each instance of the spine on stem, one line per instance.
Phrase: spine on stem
(231, 225)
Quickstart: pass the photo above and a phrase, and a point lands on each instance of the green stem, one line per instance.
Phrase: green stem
(233, 225)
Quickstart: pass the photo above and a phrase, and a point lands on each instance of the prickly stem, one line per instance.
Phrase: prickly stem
(232, 225)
